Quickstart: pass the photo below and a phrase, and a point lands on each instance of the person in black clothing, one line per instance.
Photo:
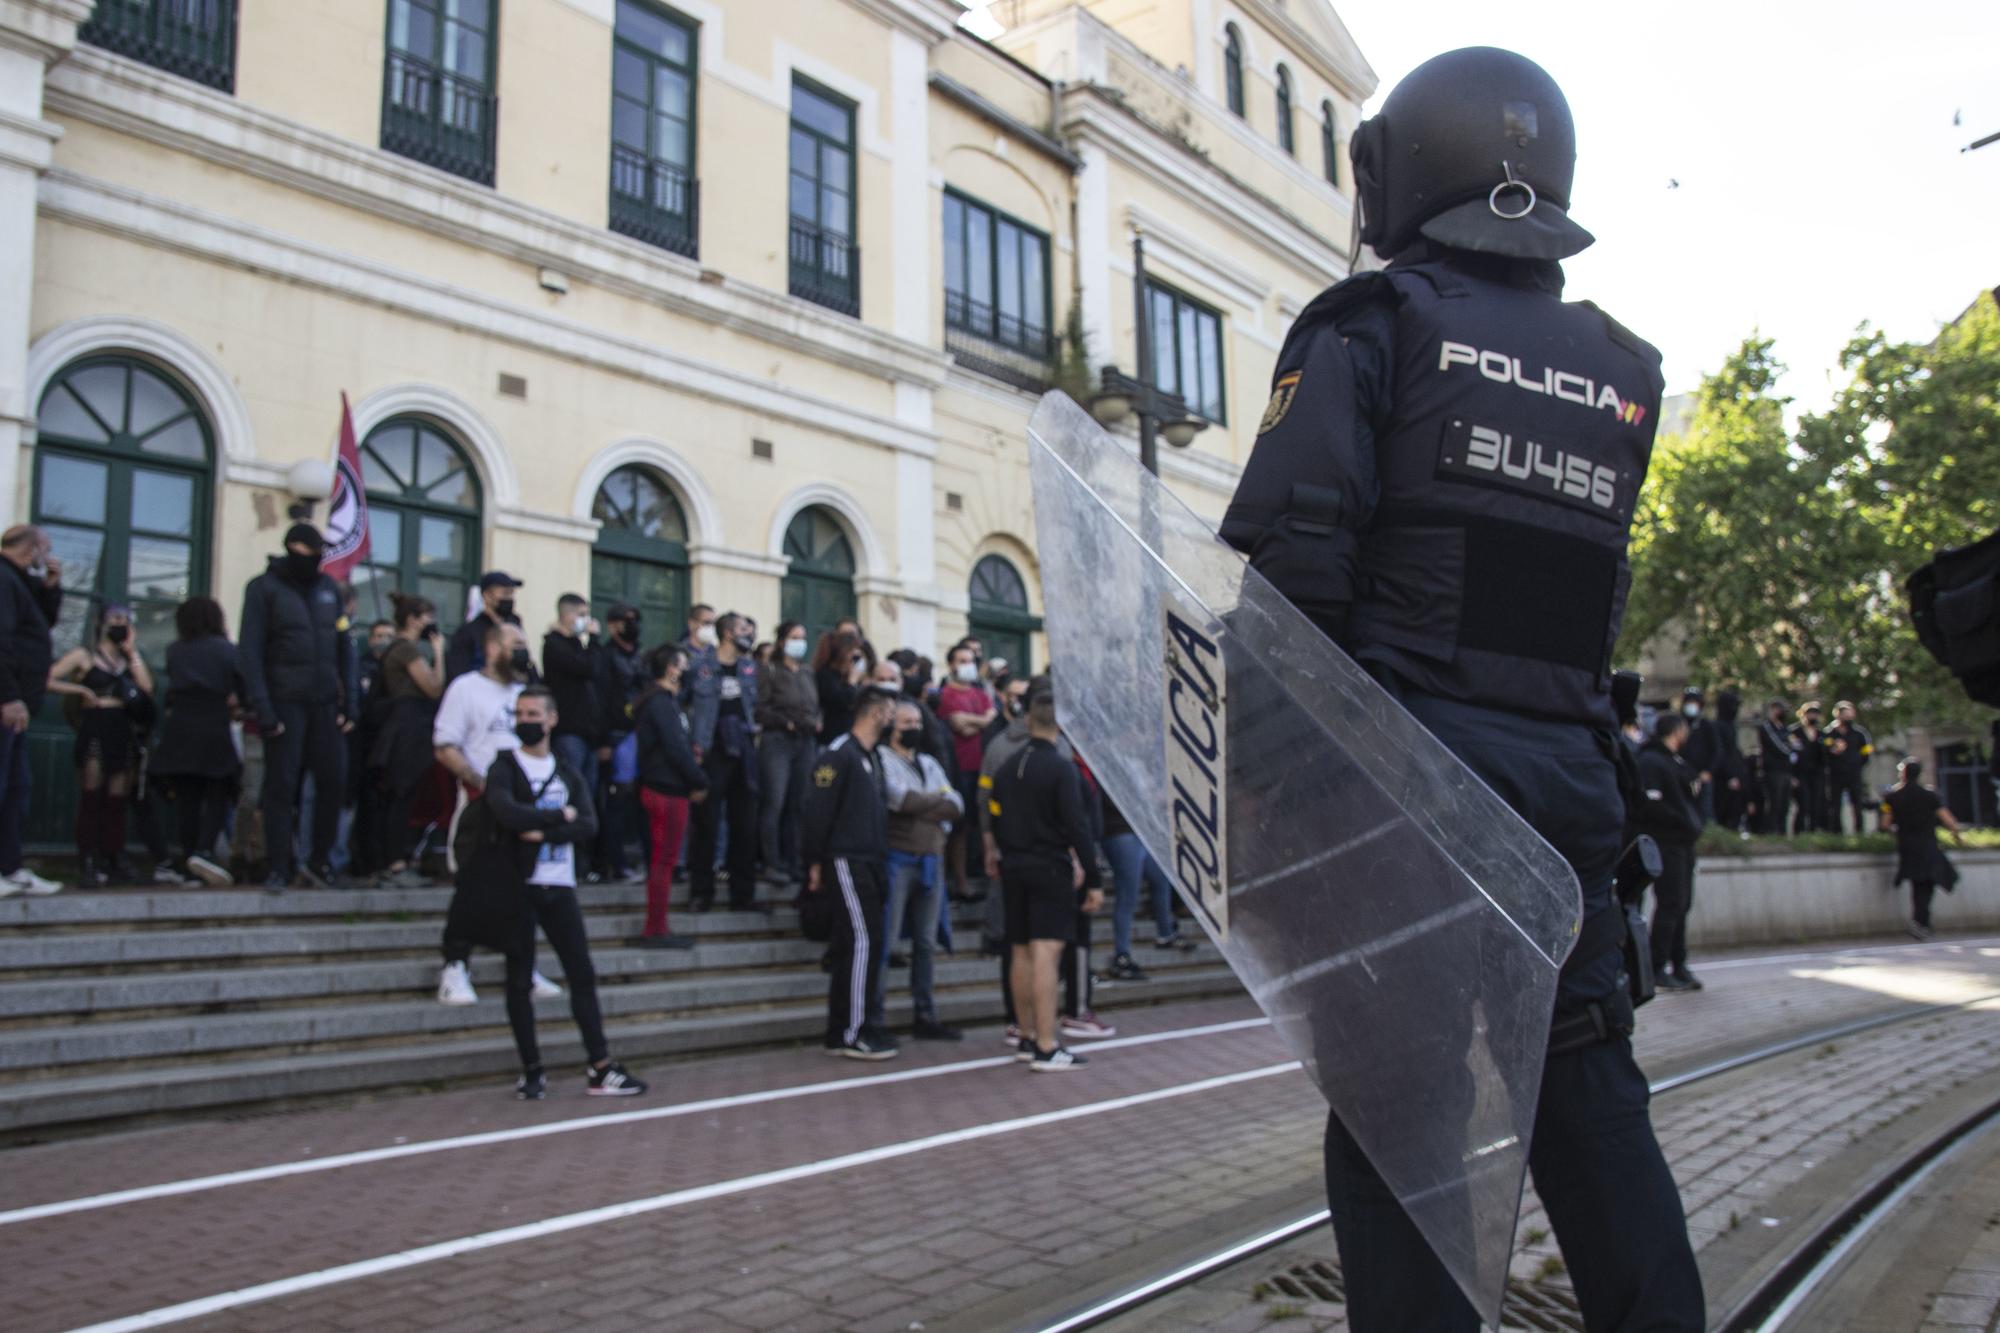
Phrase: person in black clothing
(467, 649)
(1732, 773)
(1670, 812)
(840, 667)
(622, 679)
(1848, 749)
(1779, 760)
(1041, 829)
(573, 674)
(291, 653)
(722, 708)
(1913, 814)
(669, 778)
(1702, 750)
(196, 759)
(109, 678)
(1809, 744)
(30, 602)
(844, 837)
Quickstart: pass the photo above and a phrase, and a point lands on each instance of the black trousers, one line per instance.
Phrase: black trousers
(1673, 898)
(1844, 789)
(559, 917)
(854, 986)
(1920, 901)
(1600, 1174)
(311, 742)
(1811, 797)
(732, 795)
(1777, 801)
(201, 805)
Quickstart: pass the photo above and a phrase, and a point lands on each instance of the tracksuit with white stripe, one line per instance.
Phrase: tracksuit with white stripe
(843, 830)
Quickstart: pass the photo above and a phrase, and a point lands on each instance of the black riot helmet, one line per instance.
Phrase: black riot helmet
(1475, 150)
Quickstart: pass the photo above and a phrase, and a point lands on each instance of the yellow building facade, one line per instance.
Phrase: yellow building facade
(736, 301)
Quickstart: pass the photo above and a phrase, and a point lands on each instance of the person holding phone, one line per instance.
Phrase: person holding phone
(400, 758)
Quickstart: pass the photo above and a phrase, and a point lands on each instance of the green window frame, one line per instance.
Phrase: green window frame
(818, 587)
(820, 198)
(195, 39)
(655, 195)
(438, 73)
(1187, 350)
(1329, 144)
(1284, 107)
(1232, 68)
(996, 275)
(999, 616)
(641, 556)
(425, 519)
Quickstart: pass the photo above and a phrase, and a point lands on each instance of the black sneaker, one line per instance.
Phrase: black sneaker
(276, 885)
(660, 942)
(934, 1031)
(612, 1081)
(1026, 1050)
(864, 1047)
(1176, 941)
(319, 876)
(1668, 981)
(531, 1086)
(897, 958)
(1688, 979)
(1124, 969)
(1059, 1061)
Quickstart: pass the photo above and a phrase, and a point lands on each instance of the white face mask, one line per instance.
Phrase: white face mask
(967, 672)
(795, 649)
(705, 636)
(1690, 710)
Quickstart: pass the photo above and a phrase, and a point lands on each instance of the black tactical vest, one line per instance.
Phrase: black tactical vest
(1494, 570)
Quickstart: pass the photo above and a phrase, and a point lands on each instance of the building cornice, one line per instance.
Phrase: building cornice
(1346, 69)
(45, 29)
(122, 95)
(171, 225)
(929, 21)
(954, 91)
(1241, 285)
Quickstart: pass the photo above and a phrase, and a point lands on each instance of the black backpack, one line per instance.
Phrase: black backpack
(1955, 607)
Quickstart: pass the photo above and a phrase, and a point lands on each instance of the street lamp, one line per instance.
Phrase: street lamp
(1120, 395)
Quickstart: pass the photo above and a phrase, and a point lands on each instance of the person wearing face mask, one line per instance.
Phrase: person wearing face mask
(1779, 757)
(570, 667)
(496, 607)
(1012, 693)
(1809, 741)
(292, 651)
(1848, 749)
(195, 758)
(1671, 813)
(114, 693)
(721, 715)
(1702, 749)
(519, 853)
(400, 755)
(839, 669)
(968, 710)
(30, 602)
(701, 636)
(788, 722)
(669, 780)
(622, 680)
(922, 805)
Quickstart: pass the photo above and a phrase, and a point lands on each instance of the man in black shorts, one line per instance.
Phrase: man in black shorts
(1045, 855)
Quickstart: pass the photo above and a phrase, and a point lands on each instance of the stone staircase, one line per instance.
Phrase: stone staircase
(131, 1003)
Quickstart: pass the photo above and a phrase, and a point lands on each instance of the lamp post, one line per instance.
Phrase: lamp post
(1119, 395)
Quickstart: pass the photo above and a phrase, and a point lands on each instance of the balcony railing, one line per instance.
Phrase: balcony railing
(195, 39)
(998, 345)
(654, 202)
(826, 267)
(437, 117)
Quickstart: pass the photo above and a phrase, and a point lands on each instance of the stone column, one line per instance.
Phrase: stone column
(34, 34)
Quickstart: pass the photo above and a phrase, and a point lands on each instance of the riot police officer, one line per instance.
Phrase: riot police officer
(1444, 482)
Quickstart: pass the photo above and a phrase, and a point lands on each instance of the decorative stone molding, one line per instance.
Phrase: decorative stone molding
(462, 419)
(872, 559)
(171, 350)
(704, 516)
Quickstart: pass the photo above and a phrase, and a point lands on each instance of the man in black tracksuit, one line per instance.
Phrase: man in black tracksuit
(1778, 759)
(1848, 747)
(1809, 741)
(1668, 810)
(844, 837)
(1703, 750)
(293, 652)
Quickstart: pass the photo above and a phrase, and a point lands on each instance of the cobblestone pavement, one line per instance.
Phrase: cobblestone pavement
(729, 1197)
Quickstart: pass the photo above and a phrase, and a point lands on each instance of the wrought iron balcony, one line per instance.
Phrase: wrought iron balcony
(654, 202)
(998, 345)
(195, 39)
(826, 267)
(438, 117)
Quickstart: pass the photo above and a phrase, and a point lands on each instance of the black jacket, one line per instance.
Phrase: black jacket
(1811, 761)
(844, 811)
(494, 863)
(194, 735)
(27, 610)
(467, 649)
(1774, 743)
(621, 680)
(1040, 815)
(1667, 806)
(292, 648)
(1703, 751)
(666, 759)
(1851, 760)
(571, 670)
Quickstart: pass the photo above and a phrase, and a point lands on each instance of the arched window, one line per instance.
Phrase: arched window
(1232, 68)
(423, 519)
(818, 589)
(1329, 144)
(1285, 110)
(1000, 618)
(641, 553)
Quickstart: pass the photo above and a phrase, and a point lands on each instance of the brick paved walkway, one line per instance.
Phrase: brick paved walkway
(1023, 1217)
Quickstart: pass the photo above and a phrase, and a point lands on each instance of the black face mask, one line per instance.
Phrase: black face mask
(910, 738)
(745, 642)
(522, 661)
(627, 630)
(301, 568)
(118, 633)
(504, 609)
(1016, 707)
(531, 733)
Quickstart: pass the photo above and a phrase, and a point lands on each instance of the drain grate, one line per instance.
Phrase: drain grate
(1546, 1307)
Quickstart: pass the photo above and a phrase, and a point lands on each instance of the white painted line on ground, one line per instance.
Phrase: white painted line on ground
(1910, 947)
(389, 1263)
(251, 1175)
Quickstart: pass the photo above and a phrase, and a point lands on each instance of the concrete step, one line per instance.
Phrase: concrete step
(32, 1051)
(122, 1094)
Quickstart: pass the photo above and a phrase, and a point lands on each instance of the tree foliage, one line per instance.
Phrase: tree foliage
(1777, 557)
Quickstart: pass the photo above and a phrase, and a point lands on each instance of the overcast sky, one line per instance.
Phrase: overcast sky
(1821, 182)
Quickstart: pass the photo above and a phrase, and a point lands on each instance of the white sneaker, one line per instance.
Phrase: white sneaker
(455, 985)
(27, 881)
(544, 989)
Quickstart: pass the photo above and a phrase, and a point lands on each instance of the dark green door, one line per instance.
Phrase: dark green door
(423, 521)
(818, 590)
(641, 553)
(123, 486)
(1000, 619)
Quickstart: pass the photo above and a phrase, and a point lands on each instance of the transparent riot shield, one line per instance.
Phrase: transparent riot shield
(1402, 927)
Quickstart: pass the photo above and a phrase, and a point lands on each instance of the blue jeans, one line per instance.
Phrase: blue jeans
(915, 882)
(13, 797)
(1131, 863)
